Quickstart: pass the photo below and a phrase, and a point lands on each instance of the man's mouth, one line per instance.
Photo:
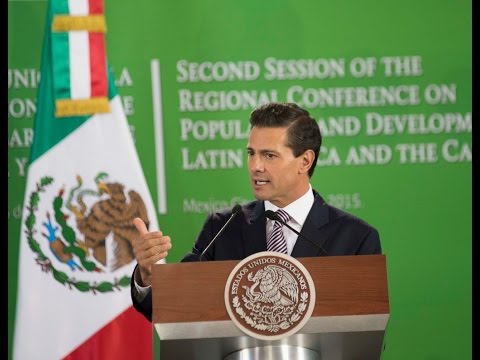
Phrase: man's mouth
(260, 182)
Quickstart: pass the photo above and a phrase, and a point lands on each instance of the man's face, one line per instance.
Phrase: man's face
(275, 174)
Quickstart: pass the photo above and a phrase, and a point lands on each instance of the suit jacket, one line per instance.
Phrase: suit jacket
(331, 229)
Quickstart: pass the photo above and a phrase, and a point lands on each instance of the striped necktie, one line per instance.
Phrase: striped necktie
(276, 241)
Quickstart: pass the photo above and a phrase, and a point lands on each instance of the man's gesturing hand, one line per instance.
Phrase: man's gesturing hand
(149, 248)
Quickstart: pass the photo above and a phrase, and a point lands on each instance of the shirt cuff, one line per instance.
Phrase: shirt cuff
(142, 291)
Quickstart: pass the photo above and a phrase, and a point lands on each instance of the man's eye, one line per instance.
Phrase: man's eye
(269, 156)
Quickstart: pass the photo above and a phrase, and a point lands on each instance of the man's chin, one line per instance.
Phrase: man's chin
(260, 195)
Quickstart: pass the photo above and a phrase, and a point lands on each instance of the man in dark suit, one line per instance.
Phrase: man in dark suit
(283, 147)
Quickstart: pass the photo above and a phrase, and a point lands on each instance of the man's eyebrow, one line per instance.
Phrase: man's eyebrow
(262, 151)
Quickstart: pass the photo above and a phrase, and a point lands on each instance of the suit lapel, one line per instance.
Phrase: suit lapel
(254, 233)
(312, 229)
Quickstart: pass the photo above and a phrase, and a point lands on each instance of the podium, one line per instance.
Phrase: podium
(348, 321)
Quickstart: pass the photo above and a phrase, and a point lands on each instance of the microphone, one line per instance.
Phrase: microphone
(237, 209)
(272, 215)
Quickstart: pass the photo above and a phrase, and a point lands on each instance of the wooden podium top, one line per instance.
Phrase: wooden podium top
(345, 285)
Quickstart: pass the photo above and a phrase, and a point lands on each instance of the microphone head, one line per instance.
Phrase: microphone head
(237, 209)
(272, 215)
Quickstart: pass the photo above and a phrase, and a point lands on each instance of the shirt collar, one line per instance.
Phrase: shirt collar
(299, 209)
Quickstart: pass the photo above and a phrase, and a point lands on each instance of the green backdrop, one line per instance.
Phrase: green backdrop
(388, 81)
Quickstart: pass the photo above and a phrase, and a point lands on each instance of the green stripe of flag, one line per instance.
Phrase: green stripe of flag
(59, 7)
(61, 65)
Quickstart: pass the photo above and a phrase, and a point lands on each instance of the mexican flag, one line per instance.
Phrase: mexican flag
(84, 186)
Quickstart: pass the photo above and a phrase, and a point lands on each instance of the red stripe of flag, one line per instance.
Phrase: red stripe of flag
(95, 7)
(129, 336)
(98, 65)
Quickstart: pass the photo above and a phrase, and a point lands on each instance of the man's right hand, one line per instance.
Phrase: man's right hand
(149, 248)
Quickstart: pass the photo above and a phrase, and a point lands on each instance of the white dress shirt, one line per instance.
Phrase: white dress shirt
(298, 211)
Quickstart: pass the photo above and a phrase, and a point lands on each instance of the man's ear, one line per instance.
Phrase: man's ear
(307, 161)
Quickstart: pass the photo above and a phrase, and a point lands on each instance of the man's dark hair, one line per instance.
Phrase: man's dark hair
(303, 132)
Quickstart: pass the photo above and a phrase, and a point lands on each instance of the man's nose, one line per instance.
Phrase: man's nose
(256, 163)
